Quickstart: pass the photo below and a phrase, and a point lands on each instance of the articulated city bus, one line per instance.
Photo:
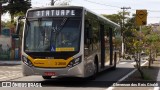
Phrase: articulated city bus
(68, 41)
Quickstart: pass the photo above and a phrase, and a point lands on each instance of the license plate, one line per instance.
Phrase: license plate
(49, 73)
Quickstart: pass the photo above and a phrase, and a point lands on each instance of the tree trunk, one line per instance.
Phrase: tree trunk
(138, 65)
(153, 58)
(141, 72)
(156, 53)
(150, 57)
(12, 18)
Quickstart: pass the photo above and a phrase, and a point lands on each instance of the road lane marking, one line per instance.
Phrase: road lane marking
(120, 80)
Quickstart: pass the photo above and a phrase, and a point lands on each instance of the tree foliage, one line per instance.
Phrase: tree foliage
(16, 6)
(152, 39)
(63, 2)
(114, 17)
(60, 2)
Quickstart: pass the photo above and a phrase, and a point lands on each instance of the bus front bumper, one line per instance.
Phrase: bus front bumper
(75, 71)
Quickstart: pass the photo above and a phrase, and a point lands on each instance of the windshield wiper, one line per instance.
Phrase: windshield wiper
(59, 29)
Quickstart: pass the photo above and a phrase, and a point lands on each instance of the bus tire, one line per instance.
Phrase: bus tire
(115, 61)
(114, 67)
(46, 77)
(93, 77)
(96, 65)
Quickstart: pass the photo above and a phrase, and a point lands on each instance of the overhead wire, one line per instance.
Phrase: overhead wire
(156, 11)
(118, 6)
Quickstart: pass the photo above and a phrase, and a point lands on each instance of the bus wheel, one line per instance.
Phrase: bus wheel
(46, 77)
(93, 77)
(115, 61)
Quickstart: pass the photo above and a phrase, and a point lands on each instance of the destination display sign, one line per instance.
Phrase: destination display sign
(54, 13)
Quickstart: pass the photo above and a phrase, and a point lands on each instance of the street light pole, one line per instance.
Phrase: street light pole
(122, 28)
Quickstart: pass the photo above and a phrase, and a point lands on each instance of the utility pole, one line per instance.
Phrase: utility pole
(122, 28)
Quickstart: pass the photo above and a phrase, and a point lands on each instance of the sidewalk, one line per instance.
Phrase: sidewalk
(10, 62)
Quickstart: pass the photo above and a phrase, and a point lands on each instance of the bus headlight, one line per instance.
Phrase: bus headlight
(75, 62)
(26, 61)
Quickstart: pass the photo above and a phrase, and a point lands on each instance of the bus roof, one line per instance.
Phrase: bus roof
(51, 7)
(79, 7)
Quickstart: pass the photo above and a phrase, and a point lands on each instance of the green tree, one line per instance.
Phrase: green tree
(137, 47)
(152, 43)
(60, 2)
(130, 29)
(117, 18)
(63, 2)
(16, 6)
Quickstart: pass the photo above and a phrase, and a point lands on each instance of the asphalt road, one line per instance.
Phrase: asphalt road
(103, 80)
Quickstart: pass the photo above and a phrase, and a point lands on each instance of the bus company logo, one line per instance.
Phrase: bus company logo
(48, 13)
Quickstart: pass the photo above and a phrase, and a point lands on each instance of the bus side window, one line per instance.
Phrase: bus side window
(88, 32)
(88, 37)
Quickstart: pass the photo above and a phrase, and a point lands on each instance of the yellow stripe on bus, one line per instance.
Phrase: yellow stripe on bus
(50, 62)
(65, 49)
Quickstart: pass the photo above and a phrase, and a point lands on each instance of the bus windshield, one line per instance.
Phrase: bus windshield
(52, 35)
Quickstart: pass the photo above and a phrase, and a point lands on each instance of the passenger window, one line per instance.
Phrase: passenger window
(88, 37)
